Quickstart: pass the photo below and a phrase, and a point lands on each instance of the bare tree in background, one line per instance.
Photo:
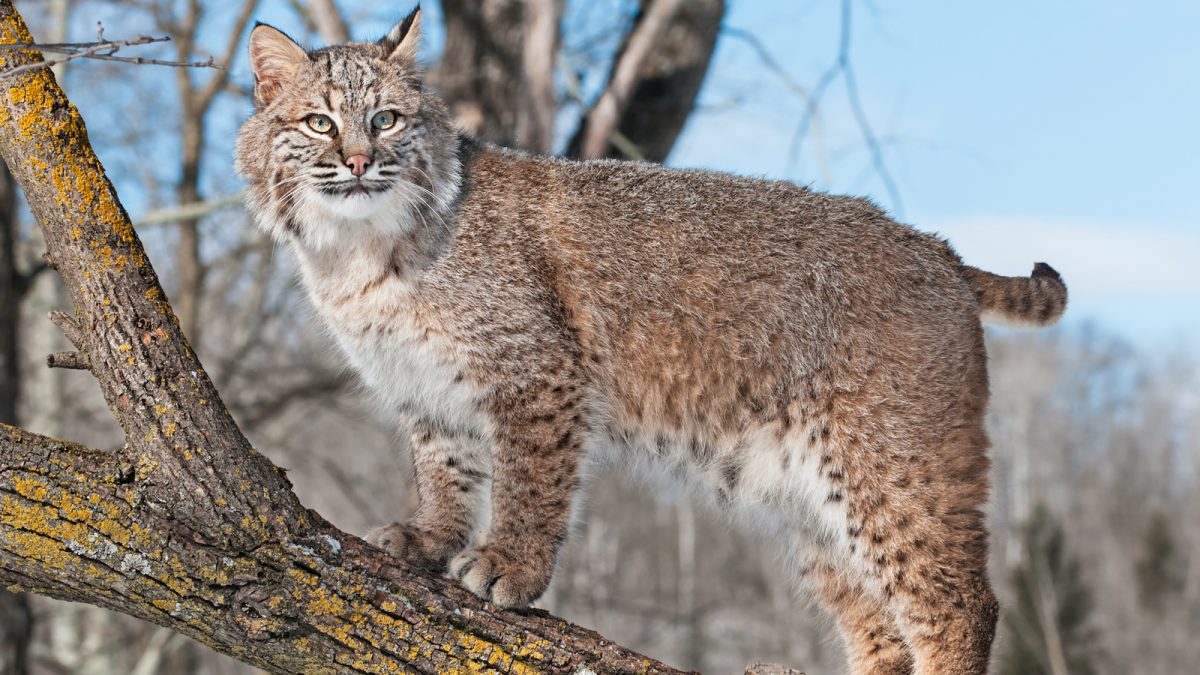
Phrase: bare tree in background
(496, 48)
(654, 82)
(196, 99)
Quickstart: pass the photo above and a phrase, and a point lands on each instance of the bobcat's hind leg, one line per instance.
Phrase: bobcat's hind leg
(945, 606)
(911, 473)
(874, 645)
(919, 535)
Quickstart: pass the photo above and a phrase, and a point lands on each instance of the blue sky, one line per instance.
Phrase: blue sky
(1063, 131)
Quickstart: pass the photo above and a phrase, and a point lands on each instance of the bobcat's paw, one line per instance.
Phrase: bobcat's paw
(500, 577)
(412, 545)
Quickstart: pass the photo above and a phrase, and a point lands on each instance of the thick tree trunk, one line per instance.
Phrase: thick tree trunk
(652, 92)
(480, 65)
(187, 526)
(496, 71)
(16, 632)
(16, 621)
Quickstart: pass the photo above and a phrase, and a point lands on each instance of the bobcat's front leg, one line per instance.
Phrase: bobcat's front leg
(451, 468)
(539, 434)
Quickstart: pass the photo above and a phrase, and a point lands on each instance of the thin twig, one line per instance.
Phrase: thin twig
(69, 328)
(101, 50)
(188, 211)
(842, 66)
(68, 360)
(810, 98)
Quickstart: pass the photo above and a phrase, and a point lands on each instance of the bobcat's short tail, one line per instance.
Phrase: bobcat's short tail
(1036, 300)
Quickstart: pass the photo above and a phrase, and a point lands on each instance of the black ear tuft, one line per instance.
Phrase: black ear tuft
(407, 23)
(403, 40)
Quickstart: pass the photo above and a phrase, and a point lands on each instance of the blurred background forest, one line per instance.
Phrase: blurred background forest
(1017, 145)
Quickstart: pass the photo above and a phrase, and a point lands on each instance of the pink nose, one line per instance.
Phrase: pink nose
(358, 164)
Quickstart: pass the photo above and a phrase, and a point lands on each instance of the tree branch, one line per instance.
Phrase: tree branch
(667, 78)
(187, 526)
(843, 66)
(192, 211)
(810, 104)
(216, 83)
(68, 360)
(603, 118)
(327, 19)
(102, 50)
(82, 525)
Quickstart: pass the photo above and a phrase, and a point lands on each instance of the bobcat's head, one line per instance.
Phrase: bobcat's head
(345, 141)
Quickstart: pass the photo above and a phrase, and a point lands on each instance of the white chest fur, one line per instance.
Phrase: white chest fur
(408, 365)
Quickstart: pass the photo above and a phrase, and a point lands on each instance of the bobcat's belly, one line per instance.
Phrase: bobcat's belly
(770, 482)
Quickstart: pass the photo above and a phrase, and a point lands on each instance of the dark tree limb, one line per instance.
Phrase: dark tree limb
(495, 76)
(654, 83)
(187, 526)
(16, 629)
(604, 116)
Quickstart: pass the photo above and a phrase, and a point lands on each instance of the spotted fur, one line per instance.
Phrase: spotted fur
(813, 367)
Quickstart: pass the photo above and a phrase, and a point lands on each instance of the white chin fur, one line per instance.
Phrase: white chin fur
(351, 207)
(328, 220)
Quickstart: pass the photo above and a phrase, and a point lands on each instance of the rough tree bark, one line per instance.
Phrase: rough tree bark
(187, 526)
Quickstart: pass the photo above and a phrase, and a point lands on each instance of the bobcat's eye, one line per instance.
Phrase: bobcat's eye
(384, 119)
(320, 123)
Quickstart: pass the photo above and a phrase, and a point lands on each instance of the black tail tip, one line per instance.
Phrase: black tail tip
(1043, 270)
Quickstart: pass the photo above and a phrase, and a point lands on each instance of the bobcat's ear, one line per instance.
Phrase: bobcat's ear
(274, 58)
(403, 41)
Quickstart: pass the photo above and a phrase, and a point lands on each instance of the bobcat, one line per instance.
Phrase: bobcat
(798, 357)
